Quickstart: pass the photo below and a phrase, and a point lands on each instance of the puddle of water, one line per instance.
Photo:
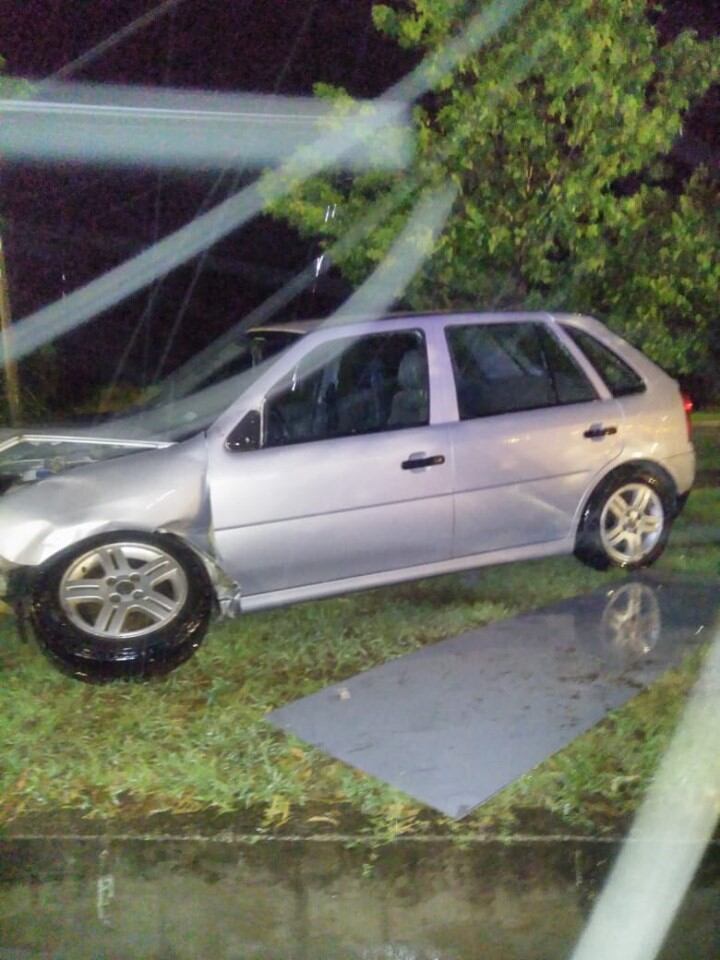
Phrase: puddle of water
(455, 722)
(172, 900)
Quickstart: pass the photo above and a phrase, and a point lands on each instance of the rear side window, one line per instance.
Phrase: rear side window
(620, 378)
(506, 367)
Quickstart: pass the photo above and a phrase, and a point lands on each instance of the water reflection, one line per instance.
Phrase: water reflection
(631, 621)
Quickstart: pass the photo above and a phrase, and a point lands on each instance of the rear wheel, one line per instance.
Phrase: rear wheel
(627, 521)
(122, 605)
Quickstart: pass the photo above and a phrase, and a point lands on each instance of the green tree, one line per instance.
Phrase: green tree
(555, 133)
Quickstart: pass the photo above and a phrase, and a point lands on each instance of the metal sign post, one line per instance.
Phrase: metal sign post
(12, 384)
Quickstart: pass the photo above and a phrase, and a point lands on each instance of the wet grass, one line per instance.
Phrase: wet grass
(703, 417)
(707, 446)
(197, 741)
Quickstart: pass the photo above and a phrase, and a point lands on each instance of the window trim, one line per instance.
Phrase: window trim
(552, 333)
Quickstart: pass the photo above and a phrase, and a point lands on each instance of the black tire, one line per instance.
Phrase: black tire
(71, 629)
(600, 525)
(680, 502)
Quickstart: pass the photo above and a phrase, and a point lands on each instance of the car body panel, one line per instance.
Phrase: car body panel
(508, 492)
(386, 578)
(291, 516)
(160, 489)
(654, 421)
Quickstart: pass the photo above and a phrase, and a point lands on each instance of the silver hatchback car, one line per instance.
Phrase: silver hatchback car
(363, 454)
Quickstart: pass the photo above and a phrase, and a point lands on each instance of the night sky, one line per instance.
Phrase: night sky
(65, 224)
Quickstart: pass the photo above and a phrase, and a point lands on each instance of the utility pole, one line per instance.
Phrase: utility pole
(12, 384)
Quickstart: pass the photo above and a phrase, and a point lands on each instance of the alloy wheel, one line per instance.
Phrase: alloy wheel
(123, 590)
(631, 523)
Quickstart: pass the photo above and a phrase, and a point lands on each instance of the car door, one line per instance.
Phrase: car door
(351, 478)
(532, 433)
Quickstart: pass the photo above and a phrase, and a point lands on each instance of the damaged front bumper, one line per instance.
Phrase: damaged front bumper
(6, 575)
(15, 593)
(16, 583)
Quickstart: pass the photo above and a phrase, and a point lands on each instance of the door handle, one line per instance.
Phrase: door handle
(414, 463)
(596, 431)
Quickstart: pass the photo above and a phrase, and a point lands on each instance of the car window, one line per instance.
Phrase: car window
(505, 367)
(571, 384)
(619, 377)
(351, 386)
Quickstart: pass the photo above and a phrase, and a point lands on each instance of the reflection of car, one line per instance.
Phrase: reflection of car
(363, 454)
(631, 622)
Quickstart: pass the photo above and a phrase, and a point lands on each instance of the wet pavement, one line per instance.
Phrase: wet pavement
(455, 722)
(170, 900)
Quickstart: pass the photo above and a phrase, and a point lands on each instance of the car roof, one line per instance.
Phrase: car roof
(301, 327)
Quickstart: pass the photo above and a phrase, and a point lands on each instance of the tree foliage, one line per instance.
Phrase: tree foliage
(556, 134)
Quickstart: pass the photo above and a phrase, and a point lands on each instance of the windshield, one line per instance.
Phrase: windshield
(230, 359)
(197, 393)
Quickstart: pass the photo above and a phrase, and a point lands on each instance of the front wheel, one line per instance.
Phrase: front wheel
(627, 521)
(122, 605)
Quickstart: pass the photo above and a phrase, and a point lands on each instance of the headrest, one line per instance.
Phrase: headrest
(412, 372)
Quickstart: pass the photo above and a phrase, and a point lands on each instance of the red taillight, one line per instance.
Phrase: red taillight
(688, 408)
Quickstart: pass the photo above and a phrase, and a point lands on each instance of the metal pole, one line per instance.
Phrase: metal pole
(12, 384)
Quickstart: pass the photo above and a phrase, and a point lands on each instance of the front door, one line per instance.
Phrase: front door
(352, 478)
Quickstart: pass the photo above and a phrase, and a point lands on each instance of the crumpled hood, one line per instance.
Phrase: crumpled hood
(156, 489)
(29, 454)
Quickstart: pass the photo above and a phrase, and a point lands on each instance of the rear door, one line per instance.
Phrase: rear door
(533, 430)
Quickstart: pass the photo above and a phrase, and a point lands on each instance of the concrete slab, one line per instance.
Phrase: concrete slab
(455, 722)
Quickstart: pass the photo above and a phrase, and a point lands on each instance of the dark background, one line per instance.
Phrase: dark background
(65, 224)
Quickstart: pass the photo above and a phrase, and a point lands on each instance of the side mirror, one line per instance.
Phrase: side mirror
(246, 435)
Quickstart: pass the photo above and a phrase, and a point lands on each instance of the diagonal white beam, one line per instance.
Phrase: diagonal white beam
(144, 20)
(671, 832)
(117, 125)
